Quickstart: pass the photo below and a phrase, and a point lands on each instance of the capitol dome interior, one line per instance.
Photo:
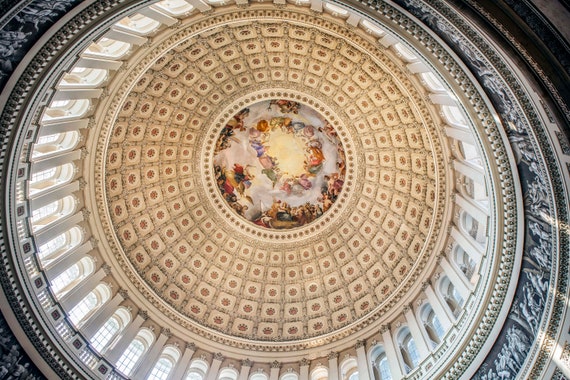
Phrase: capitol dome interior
(285, 189)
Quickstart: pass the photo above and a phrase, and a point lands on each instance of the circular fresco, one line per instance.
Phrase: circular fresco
(279, 164)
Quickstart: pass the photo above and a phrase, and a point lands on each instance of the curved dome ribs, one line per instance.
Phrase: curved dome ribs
(134, 184)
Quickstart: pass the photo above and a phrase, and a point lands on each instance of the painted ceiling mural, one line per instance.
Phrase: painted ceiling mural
(279, 164)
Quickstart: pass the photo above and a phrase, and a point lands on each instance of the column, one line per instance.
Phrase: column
(417, 67)
(53, 195)
(460, 134)
(77, 93)
(417, 334)
(182, 365)
(57, 228)
(391, 353)
(333, 366)
(317, 6)
(304, 369)
(438, 308)
(149, 359)
(245, 368)
(98, 63)
(75, 295)
(274, 371)
(51, 162)
(58, 266)
(475, 210)
(157, 15)
(457, 278)
(472, 171)
(114, 353)
(215, 367)
(202, 7)
(102, 315)
(442, 99)
(62, 126)
(119, 35)
(362, 363)
(473, 249)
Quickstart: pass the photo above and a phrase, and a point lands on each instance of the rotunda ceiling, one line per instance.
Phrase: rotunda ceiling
(273, 180)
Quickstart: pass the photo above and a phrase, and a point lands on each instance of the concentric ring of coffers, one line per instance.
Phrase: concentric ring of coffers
(185, 241)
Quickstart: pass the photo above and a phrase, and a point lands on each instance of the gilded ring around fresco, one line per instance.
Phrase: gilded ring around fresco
(279, 164)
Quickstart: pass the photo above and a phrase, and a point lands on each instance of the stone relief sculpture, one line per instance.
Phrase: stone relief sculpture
(20, 32)
(14, 363)
(528, 306)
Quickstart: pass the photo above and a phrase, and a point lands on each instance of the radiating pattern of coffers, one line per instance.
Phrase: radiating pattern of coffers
(257, 287)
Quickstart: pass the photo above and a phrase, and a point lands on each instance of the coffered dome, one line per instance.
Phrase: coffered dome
(250, 190)
(289, 119)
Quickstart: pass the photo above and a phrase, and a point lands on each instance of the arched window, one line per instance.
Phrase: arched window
(59, 245)
(56, 143)
(469, 152)
(197, 370)
(164, 364)
(349, 369)
(50, 178)
(89, 304)
(453, 116)
(72, 276)
(432, 83)
(66, 110)
(320, 373)
(408, 350)
(83, 78)
(463, 262)
(110, 330)
(258, 376)
(50, 213)
(469, 225)
(451, 296)
(174, 7)
(217, 3)
(228, 374)
(52, 246)
(384, 369)
(43, 175)
(138, 24)
(404, 52)
(302, 3)
(290, 376)
(373, 29)
(336, 10)
(107, 48)
(380, 364)
(135, 351)
(44, 212)
(432, 326)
